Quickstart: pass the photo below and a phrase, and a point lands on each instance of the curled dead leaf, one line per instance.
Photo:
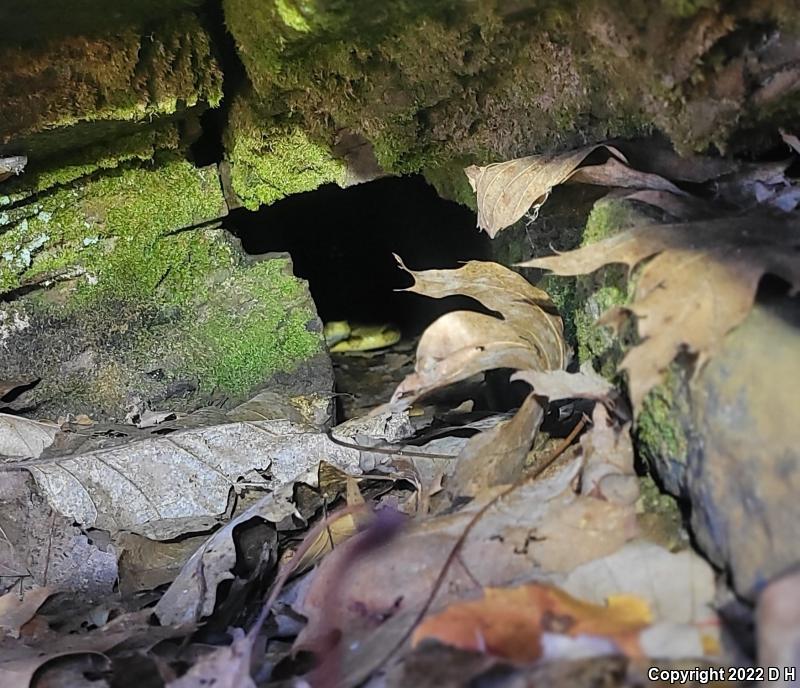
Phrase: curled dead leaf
(24, 438)
(559, 384)
(527, 335)
(507, 190)
(496, 456)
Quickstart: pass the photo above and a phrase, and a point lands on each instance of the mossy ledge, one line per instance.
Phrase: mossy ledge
(436, 85)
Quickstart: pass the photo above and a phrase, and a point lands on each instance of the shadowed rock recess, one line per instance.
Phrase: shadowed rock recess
(122, 286)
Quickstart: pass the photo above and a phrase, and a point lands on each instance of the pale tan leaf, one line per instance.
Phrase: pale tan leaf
(618, 174)
(164, 486)
(527, 309)
(791, 140)
(224, 667)
(608, 451)
(507, 190)
(496, 456)
(678, 586)
(567, 529)
(680, 207)
(700, 285)
(686, 299)
(338, 531)
(25, 438)
(559, 384)
(193, 593)
(457, 346)
(10, 165)
(461, 344)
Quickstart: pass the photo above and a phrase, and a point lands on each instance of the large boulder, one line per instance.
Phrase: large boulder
(725, 438)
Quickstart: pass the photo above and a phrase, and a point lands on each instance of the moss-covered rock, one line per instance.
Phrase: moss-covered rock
(434, 85)
(270, 162)
(743, 470)
(716, 437)
(125, 302)
(66, 94)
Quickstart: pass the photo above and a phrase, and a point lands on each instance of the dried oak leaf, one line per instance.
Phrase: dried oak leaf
(510, 622)
(507, 190)
(699, 285)
(16, 610)
(527, 335)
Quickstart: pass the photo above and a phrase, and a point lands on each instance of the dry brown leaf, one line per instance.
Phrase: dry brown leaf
(16, 611)
(617, 174)
(700, 285)
(21, 660)
(541, 528)
(678, 586)
(193, 593)
(338, 531)
(608, 473)
(791, 140)
(225, 667)
(507, 190)
(496, 456)
(12, 164)
(509, 622)
(7, 386)
(457, 346)
(167, 485)
(679, 207)
(559, 384)
(25, 438)
(528, 310)
(462, 343)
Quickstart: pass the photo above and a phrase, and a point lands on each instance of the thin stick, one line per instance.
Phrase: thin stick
(390, 450)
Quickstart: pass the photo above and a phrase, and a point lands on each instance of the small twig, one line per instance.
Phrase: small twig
(389, 450)
(472, 523)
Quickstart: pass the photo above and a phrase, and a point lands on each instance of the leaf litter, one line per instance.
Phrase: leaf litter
(471, 538)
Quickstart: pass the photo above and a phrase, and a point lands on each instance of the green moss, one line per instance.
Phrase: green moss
(107, 155)
(658, 429)
(108, 232)
(659, 516)
(237, 351)
(271, 162)
(141, 305)
(450, 182)
(597, 343)
(291, 16)
(27, 22)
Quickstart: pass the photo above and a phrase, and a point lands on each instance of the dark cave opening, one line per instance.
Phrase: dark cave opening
(342, 241)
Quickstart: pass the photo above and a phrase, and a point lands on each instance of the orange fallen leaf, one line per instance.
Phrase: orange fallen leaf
(509, 622)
